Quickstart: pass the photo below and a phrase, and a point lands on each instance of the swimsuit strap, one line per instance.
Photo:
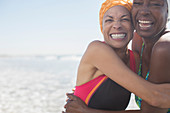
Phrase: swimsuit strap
(132, 61)
(138, 99)
(140, 65)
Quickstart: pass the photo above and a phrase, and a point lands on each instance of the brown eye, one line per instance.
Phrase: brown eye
(125, 19)
(156, 4)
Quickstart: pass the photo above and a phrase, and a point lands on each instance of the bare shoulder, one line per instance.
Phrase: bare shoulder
(92, 48)
(162, 46)
(160, 60)
(94, 55)
(97, 48)
(86, 67)
(97, 45)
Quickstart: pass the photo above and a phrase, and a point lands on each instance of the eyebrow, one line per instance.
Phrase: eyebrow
(109, 16)
(124, 15)
(113, 17)
(157, 1)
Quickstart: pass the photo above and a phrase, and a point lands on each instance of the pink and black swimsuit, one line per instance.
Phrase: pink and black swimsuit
(104, 93)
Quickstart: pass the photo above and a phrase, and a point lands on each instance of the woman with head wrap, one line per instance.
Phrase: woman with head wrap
(93, 86)
(106, 61)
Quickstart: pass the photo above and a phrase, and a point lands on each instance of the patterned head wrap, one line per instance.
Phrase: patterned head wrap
(110, 3)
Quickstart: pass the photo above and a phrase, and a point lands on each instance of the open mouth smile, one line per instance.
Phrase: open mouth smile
(118, 36)
(145, 24)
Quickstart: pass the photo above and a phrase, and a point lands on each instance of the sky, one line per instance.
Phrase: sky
(48, 27)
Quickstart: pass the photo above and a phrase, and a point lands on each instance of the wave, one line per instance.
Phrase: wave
(45, 57)
(70, 57)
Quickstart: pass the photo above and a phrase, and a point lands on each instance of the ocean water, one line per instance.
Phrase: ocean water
(37, 84)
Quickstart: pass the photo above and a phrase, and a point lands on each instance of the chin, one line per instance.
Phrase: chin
(145, 34)
(120, 46)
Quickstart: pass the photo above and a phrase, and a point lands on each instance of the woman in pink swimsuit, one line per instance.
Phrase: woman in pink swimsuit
(93, 86)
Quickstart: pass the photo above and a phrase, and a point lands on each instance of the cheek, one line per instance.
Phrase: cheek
(104, 33)
(106, 28)
(161, 18)
(128, 27)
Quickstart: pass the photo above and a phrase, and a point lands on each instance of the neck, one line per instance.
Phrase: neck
(149, 43)
(122, 53)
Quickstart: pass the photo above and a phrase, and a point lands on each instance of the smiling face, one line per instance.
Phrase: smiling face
(149, 17)
(117, 27)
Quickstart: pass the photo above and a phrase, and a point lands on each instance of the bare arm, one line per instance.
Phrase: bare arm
(159, 71)
(76, 105)
(105, 59)
(98, 51)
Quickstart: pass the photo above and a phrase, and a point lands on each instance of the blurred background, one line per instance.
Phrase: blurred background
(53, 27)
(41, 43)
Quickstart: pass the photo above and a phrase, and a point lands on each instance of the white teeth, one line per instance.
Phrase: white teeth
(144, 25)
(118, 36)
(145, 22)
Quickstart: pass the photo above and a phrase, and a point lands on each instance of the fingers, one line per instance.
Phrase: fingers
(69, 107)
(71, 96)
(68, 103)
(65, 105)
(67, 99)
(69, 93)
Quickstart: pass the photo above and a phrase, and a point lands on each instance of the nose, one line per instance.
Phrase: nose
(144, 11)
(117, 25)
